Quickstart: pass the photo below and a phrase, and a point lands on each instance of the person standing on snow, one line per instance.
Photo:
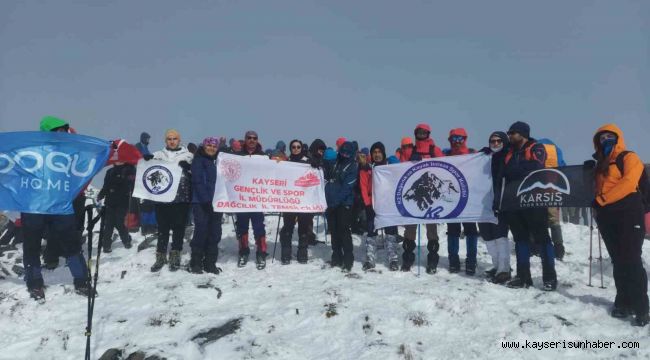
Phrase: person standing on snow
(61, 229)
(458, 146)
(424, 148)
(554, 158)
(526, 155)
(378, 158)
(207, 223)
(305, 220)
(251, 147)
(173, 216)
(620, 210)
(496, 235)
(117, 189)
(341, 174)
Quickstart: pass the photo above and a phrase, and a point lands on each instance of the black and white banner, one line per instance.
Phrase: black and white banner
(567, 186)
(441, 190)
(157, 180)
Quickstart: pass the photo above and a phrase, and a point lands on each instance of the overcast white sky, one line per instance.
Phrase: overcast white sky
(367, 70)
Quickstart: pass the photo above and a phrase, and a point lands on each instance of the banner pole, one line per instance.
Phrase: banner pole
(600, 260)
(277, 232)
(591, 240)
(418, 250)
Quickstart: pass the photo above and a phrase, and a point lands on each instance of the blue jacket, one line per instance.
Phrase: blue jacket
(341, 178)
(204, 177)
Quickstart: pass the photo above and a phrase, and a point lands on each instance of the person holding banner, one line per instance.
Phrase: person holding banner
(496, 235)
(61, 229)
(341, 175)
(620, 213)
(378, 158)
(207, 223)
(251, 147)
(458, 146)
(424, 148)
(526, 155)
(173, 216)
(117, 190)
(305, 220)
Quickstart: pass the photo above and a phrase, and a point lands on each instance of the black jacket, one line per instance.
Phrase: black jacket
(118, 185)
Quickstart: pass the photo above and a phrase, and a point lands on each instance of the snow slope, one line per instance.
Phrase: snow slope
(314, 312)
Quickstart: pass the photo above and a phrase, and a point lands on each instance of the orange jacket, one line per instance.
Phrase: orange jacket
(614, 186)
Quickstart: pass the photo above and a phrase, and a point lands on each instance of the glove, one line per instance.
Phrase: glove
(485, 150)
(148, 157)
(589, 164)
(185, 165)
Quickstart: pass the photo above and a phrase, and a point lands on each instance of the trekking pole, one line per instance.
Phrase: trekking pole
(326, 230)
(317, 223)
(418, 249)
(591, 240)
(600, 259)
(277, 232)
(92, 293)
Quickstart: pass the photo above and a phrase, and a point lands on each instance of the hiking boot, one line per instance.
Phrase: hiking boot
(83, 288)
(620, 312)
(406, 267)
(127, 244)
(210, 266)
(470, 270)
(549, 285)
(260, 260)
(393, 266)
(490, 273)
(243, 260)
(37, 293)
(174, 260)
(107, 250)
(431, 270)
(641, 320)
(559, 251)
(196, 263)
(367, 266)
(454, 268)
(501, 278)
(519, 283)
(52, 264)
(161, 260)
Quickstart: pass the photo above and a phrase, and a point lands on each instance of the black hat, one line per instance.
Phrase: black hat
(521, 128)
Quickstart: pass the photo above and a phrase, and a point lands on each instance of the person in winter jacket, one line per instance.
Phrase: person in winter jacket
(143, 145)
(424, 148)
(619, 210)
(406, 149)
(554, 158)
(117, 189)
(496, 235)
(251, 147)
(341, 178)
(61, 229)
(458, 146)
(526, 155)
(207, 223)
(280, 151)
(305, 220)
(173, 216)
(378, 158)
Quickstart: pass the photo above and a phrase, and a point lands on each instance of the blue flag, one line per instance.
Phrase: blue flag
(42, 172)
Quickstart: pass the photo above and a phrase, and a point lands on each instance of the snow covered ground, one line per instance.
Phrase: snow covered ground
(314, 312)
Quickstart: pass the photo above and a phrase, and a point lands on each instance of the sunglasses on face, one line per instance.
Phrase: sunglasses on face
(251, 138)
(457, 139)
(297, 147)
(496, 141)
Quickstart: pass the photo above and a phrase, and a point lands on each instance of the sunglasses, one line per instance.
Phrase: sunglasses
(457, 139)
(251, 138)
(496, 141)
(296, 147)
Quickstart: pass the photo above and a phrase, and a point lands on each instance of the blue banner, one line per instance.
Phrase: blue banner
(42, 172)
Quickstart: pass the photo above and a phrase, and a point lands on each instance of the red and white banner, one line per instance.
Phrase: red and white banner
(258, 184)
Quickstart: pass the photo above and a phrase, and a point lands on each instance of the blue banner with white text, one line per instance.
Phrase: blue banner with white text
(42, 172)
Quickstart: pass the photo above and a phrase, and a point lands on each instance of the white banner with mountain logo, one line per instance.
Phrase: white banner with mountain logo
(451, 189)
(258, 184)
(157, 180)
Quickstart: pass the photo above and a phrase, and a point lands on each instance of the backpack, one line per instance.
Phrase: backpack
(644, 182)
